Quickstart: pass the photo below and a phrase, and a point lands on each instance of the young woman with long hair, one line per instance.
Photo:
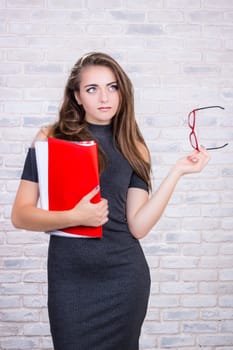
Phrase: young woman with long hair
(98, 288)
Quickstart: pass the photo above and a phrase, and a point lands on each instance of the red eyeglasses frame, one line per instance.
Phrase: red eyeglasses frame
(192, 123)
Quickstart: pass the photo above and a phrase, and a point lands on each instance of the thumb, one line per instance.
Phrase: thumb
(91, 194)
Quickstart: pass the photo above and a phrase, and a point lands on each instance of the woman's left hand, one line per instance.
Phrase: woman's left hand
(194, 163)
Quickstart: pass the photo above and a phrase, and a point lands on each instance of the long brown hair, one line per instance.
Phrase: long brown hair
(71, 124)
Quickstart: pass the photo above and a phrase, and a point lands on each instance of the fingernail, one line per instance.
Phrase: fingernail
(97, 187)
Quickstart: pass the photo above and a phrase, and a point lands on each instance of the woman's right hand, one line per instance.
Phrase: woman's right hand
(86, 213)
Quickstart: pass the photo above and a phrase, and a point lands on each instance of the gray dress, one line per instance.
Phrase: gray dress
(98, 289)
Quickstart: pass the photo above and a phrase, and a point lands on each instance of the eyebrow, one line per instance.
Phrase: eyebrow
(88, 85)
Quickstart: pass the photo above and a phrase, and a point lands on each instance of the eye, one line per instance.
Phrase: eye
(91, 89)
(113, 87)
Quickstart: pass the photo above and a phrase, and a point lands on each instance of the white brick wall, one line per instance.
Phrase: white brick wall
(179, 55)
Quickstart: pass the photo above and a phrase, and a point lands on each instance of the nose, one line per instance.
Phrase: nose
(103, 95)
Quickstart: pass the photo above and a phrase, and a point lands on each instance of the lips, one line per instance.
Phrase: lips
(104, 109)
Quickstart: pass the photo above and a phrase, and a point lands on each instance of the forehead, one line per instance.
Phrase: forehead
(99, 75)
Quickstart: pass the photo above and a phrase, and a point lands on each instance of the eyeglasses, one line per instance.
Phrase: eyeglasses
(192, 122)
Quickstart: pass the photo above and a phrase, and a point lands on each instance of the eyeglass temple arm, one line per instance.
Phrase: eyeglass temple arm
(211, 148)
(199, 109)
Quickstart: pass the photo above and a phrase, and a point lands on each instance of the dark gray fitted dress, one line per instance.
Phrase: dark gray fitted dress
(98, 289)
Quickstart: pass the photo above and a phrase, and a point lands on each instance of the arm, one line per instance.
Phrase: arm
(26, 215)
(144, 212)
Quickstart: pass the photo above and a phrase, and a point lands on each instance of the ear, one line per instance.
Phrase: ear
(77, 98)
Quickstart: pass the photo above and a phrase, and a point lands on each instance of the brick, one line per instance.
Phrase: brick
(23, 55)
(199, 301)
(178, 288)
(226, 326)
(25, 239)
(26, 28)
(217, 314)
(46, 343)
(22, 264)
(20, 343)
(176, 262)
(8, 302)
(160, 249)
(147, 341)
(160, 327)
(31, 68)
(35, 302)
(147, 4)
(6, 330)
(65, 4)
(218, 236)
(180, 314)
(227, 250)
(107, 4)
(100, 29)
(153, 315)
(217, 340)
(217, 31)
(9, 68)
(225, 4)
(208, 287)
(205, 16)
(198, 224)
(19, 316)
(19, 289)
(43, 93)
(162, 301)
(67, 28)
(13, 277)
(9, 122)
(38, 329)
(165, 16)
(127, 16)
(10, 94)
(175, 341)
(23, 107)
(11, 42)
(8, 251)
(144, 29)
(183, 237)
(182, 4)
(199, 275)
(226, 275)
(35, 277)
(194, 327)
(24, 3)
(183, 30)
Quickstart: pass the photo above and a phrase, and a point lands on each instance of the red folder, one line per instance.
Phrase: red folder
(72, 173)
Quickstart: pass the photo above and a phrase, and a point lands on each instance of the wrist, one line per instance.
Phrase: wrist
(69, 218)
(176, 172)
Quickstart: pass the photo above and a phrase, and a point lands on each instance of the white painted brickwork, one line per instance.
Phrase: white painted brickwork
(179, 54)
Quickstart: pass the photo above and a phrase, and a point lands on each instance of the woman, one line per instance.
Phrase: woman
(98, 289)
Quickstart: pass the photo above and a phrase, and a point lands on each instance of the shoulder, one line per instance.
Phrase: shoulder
(43, 134)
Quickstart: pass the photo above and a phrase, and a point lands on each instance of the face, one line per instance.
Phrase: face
(99, 94)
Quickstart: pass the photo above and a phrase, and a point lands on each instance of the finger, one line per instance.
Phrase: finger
(192, 158)
(204, 151)
(92, 194)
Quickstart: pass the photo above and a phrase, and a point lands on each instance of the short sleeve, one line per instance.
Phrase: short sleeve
(137, 182)
(30, 172)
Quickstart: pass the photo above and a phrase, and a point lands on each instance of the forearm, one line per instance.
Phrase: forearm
(144, 213)
(149, 214)
(36, 219)
(26, 215)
